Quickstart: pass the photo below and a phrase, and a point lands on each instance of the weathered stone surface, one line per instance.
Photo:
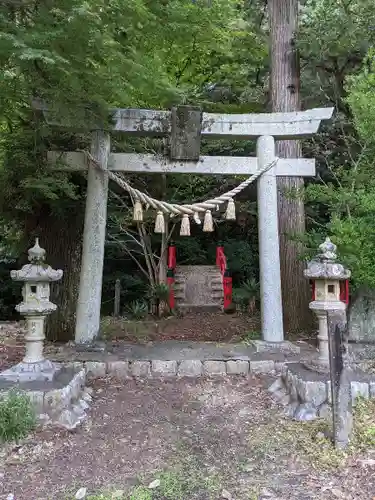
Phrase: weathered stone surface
(280, 367)
(95, 369)
(325, 411)
(55, 400)
(291, 385)
(359, 389)
(291, 409)
(285, 346)
(214, 367)
(277, 385)
(86, 397)
(82, 404)
(361, 321)
(282, 396)
(140, 368)
(311, 391)
(305, 412)
(198, 288)
(372, 389)
(118, 369)
(262, 366)
(329, 392)
(37, 399)
(68, 419)
(238, 367)
(76, 365)
(77, 384)
(190, 368)
(164, 367)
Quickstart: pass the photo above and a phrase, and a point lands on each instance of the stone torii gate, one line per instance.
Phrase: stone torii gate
(185, 126)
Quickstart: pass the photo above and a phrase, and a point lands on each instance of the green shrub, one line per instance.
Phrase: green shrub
(247, 295)
(17, 416)
(141, 493)
(137, 309)
(160, 292)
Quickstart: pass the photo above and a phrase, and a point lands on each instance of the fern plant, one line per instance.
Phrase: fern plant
(137, 309)
(159, 294)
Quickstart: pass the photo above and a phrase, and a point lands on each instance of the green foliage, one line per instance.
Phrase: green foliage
(137, 309)
(17, 416)
(362, 100)
(251, 335)
(248, 291)
(364, 424)
(241, 260)
(160, 292)
(141, 493)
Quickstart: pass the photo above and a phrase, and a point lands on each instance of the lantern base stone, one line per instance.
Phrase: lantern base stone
(62, 401)
(42, 371)
(306, 393)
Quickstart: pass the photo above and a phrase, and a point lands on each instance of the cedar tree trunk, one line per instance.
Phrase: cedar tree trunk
(285, 96)
(62, 240)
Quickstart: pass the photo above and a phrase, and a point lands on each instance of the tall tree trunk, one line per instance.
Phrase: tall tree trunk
(285, 96)
(62, 240)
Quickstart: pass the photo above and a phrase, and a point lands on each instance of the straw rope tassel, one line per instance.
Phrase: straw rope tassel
(159, 223)
(208, 224)
(138, 211)
(230, 214)
(185, 226)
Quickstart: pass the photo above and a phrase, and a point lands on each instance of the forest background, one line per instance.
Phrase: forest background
(86, 56)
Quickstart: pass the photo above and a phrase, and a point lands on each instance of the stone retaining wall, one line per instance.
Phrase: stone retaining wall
(307, 394)
(184, 368)
(63, 401)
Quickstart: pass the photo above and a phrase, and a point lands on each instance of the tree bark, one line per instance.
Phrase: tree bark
(285, 96)
(62, 240)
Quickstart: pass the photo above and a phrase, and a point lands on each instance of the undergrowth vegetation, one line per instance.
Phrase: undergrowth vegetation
(17, 416)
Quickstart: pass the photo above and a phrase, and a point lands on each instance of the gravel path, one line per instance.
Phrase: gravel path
(220, 436)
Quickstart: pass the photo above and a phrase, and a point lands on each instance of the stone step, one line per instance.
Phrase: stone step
(195, 308)
(194, 269)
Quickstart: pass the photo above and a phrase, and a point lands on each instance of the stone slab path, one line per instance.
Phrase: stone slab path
(175, 350)
(204, 438)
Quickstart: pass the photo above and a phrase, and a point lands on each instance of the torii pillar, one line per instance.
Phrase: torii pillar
(265, 127)
(269, 250)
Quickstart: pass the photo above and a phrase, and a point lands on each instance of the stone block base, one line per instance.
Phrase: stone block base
(62, 401)
(306, 394)
(285, 346)
(172, 368)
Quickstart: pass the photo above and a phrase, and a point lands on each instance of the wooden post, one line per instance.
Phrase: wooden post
(90, 287)
(116, 309)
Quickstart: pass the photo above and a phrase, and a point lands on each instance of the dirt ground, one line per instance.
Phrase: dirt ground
(204, 439)
(203, 326)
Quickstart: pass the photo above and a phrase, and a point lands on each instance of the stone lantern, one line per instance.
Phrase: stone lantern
(329, 292)
(35, 307)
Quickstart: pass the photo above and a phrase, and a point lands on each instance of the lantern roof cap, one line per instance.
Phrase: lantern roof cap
(36, 271)
(324, 265)
(36, 253)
